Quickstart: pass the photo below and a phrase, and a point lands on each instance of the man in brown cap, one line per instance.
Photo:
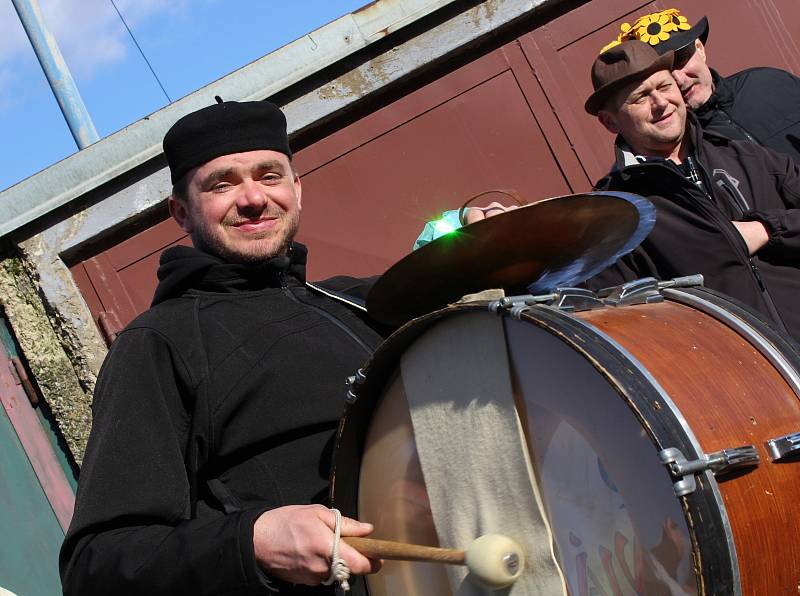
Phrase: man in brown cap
(759, 104)
(726, 209)
(215, 412)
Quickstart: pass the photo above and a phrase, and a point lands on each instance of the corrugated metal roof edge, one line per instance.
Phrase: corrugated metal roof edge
(125, 149)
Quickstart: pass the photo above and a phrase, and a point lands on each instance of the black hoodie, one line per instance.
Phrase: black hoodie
(218, 403)
(694, 234)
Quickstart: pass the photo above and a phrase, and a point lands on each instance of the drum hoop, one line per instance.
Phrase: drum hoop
(663, 434)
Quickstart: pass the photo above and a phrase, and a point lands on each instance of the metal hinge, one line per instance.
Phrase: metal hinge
(718, 462)
(353, 383)
(21, 378)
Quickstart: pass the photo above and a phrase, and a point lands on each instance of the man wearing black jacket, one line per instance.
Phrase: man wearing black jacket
(757, 104)
(726, 209)
(215, 411)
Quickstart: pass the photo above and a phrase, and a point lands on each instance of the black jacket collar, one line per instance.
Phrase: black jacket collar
(185, 268)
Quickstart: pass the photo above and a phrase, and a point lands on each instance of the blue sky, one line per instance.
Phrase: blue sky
(190, 43)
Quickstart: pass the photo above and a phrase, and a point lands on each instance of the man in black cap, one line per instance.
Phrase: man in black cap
(215, 411)
(727, 209)
(757, 104)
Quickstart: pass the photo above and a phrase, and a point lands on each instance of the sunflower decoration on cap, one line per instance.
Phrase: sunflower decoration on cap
(651, 28)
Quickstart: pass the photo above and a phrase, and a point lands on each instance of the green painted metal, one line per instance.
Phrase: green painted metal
(45, 416)
(31, 534)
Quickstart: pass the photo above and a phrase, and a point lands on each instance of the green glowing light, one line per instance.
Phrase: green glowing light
(443, 226)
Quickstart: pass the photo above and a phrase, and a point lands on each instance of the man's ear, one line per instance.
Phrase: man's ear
(180, 213)
(608, 120)
(699, 47)
(298, 188)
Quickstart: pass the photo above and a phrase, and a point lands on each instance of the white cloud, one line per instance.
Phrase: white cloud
(89, 32)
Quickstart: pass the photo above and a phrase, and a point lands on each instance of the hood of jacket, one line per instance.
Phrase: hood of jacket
(183, 268)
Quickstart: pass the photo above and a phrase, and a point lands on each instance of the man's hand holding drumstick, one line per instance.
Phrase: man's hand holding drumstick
(294, 543)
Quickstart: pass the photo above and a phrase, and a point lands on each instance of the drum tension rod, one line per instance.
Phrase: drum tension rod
(353, 383)
(566, 299)
(719, 463)
(640, 291)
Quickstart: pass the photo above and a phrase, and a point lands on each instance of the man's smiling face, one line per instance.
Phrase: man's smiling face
(650, 115)
(242, 207)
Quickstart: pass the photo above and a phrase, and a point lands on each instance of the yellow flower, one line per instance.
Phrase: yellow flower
(626, 32)
(654, 28)
(608, 46)
(681, 23)
(678, 22)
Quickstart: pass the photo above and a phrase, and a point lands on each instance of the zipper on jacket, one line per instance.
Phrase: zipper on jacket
(754, 268)
(331, 317)
(739, 127)
(736, 238)
(709, 181)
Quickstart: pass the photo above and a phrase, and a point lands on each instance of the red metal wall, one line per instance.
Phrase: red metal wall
(510, 118)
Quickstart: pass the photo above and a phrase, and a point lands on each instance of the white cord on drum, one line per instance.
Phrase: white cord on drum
(340, 572)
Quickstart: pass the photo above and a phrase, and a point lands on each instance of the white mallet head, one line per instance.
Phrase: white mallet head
(495, 561)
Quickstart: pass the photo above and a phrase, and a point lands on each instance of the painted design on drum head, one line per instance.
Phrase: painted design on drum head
(619, 530)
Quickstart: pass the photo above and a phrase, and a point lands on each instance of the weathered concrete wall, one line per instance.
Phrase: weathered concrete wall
(52, 367)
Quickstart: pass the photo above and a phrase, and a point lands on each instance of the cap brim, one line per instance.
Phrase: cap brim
(677, 41)
(596, 100)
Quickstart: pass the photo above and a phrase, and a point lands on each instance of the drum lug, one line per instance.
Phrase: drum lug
(576, 299)
(718, 462)
(353, 383)
(784, 447)
(646, 290)
(566, 299)
(639, 291)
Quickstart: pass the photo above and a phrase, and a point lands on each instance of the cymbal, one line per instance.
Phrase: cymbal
(556, 242)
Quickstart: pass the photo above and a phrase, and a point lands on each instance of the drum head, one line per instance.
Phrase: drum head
(617, 525)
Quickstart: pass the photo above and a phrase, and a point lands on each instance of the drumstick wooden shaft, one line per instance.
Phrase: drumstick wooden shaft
(402, 551)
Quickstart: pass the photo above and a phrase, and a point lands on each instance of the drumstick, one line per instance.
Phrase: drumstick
(402, 551)
(494, 560)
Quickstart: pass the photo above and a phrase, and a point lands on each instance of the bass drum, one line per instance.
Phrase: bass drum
(662, 438)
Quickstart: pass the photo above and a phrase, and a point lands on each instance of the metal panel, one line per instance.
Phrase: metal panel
(31, 532)
(119, 283)
(37, 498)
(471, 130)
(46, 459)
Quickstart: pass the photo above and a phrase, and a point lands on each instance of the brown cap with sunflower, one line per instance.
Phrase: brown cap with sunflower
(666, 31)
(624, 63)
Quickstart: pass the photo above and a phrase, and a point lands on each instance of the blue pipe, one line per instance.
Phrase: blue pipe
(57, 73)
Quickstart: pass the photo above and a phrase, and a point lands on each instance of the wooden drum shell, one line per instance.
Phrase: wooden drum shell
(731, 395)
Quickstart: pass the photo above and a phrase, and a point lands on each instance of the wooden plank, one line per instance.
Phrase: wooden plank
(110, 289)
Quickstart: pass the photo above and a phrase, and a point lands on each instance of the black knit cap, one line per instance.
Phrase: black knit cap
(222, 129)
